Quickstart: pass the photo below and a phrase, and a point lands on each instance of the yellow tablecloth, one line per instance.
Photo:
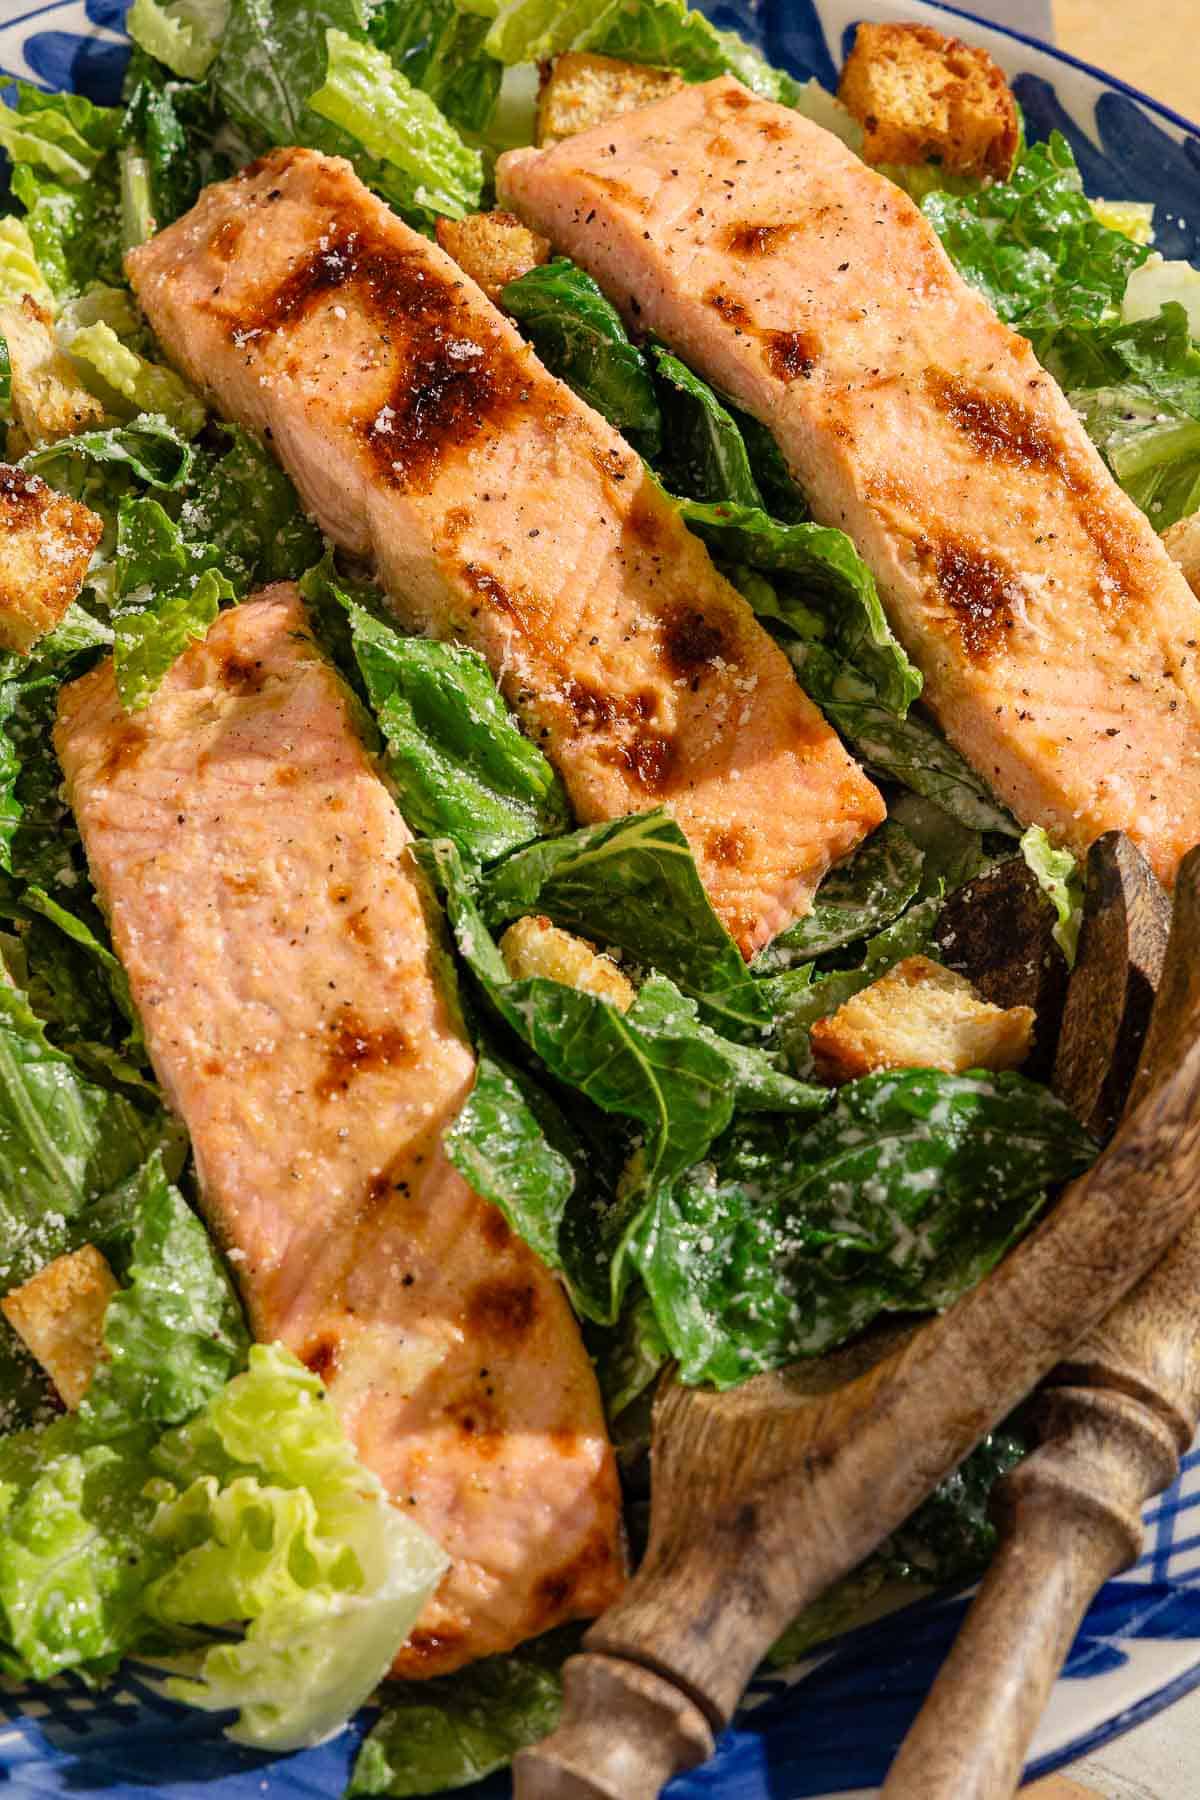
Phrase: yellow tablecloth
(1153, 44)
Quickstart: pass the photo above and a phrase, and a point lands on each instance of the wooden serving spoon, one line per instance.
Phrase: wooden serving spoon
(1113, 1421)
(765, 1495)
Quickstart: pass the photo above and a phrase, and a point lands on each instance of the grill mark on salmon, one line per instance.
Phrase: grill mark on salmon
(316, 1068)
(1059, 646)
(502, 512)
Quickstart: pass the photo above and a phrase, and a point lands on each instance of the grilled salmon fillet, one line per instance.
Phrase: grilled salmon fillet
(259, 883)
(500, 510)
(1058, 643)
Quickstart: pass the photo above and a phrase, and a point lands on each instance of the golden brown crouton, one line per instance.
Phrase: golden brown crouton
(59, 1315)
(533, 946)
(493, 248)
(923, 97)
(920, 1016)
(48, 399)
(1182, 541)
(579, 90)
(46, 544)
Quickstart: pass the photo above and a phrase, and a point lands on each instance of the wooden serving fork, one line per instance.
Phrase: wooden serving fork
(1113, 1421)
(765, 1495)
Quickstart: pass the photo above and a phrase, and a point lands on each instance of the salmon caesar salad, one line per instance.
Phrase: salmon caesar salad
(571, 607)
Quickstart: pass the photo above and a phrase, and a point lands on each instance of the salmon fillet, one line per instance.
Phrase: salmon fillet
(1058, 643)
(263, 900)
(502, 511)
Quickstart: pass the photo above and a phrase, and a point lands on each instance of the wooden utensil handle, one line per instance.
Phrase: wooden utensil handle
(711, 1597)
(1072, 1520)
(1116, 1416)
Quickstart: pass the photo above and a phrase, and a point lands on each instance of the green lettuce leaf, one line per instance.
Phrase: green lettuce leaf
(183, 34)
(244, 506)
(454, 1731)
(460, 764)
(1059, 877)
(174, 1335)
(854, 900)
(830, 574)
(513, 1146)
(429, 167)
(633, 883)
(276, 1521)
(440, 49)
(786, 1242)
(953, 853)
(149, 447)
(704, 453)
(167, 595)
(1034, 247)
(1156, 284)
(75, 230)
(579, 336)
(20, 272)
(147, 387)
(178, 133)
(908, 750)
(63, 134)
(65, 1142)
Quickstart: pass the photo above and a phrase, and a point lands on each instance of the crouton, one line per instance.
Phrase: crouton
(922, 97)
(533, 946)
(48, 399)
(46, 544)
(920, 1016)
(492, 248)
(1182, 543)
(59, 1316)
(579, 90)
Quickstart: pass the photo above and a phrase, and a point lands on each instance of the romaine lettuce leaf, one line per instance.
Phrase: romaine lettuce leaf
(276, 1521)
(633, 883)
(428, 166)
(461, 766)
(63, 134)
(244, 506)
(908, 750)
(786, 1242)
(579, 336)
(147, 387)
(20, 273)
(75, 229)
(1155, 284)
(704, 454)
(1058, 876)
(857, 898)
(183, 34)
(64, 1142)
(509, 1142)
(148, 446)
(440, 49)
(179, 132)
(830, 574)
(1034, 247)
(174, 1334)
(452, 1732)
(168, 592)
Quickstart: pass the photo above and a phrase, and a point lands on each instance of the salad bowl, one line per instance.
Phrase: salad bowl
(829, 1725)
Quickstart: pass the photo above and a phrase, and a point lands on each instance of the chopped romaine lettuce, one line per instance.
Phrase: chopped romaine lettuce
(138, 222)
(452, 1732)
(579, 336)
(830, 574)
(1034, 246)
(857, 898)
(440, 49)
(1132, 218)
(786, 1242)
(19, 270)
(150, 447)
(183, 34)
(174, 1335)
(63, 134)
(513, 1146)
(704, 454)
(368, 97)
(148, 387)
(461, 766)
(244, 505)
(1059, 878)
(633, 883)
(1156, 284)
(168, 592)
(276, 1521)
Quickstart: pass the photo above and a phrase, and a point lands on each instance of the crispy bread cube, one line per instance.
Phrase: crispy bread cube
(59, 1315)
(923, 97)
(920, 1016)
(493, 248)
(46, 544)
(1182, 541)
(533, 946)
(580, 90)
(48, 399)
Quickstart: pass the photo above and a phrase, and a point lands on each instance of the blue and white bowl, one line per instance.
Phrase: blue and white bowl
(830, 1725)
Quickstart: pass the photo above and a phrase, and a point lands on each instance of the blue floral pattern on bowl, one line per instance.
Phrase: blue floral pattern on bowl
(830, 1725)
